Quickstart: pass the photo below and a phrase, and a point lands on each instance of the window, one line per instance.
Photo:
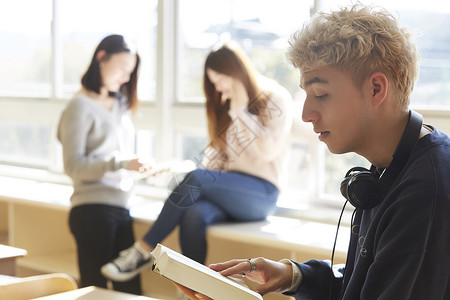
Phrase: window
(427, 20)
(433, 86)
(192, 146)
(335, 168)
(83, 23)
(25, 54)
(254, 24)
(42, 66)
(27, 143)
(145, 140)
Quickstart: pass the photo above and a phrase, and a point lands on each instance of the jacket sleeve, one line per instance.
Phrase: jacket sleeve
(318, 281)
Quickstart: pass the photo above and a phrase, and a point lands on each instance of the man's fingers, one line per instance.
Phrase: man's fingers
(186, 291)
(232, 267)
(224, 265)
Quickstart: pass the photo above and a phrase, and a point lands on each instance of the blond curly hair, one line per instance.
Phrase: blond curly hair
(359, 40)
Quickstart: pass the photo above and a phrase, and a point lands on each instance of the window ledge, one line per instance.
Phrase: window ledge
(290, 233)
(147, 197)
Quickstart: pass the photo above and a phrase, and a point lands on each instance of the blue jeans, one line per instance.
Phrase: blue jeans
(206, 197)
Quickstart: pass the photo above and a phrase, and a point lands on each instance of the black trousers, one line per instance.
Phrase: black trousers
(101, 232)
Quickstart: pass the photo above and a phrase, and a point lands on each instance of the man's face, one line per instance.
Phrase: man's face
(338, 110)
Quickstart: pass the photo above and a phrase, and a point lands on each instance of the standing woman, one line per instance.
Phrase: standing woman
(97, 138)
(249, 123)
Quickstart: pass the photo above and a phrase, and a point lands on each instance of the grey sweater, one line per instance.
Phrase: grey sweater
(97, 144)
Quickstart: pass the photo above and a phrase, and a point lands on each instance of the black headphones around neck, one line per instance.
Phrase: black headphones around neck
(363, 188)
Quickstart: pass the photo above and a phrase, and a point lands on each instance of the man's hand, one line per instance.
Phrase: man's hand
(271, 276)
(190, 293)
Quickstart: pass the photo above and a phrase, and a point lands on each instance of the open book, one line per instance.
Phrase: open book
(166, 167)
(198, 277)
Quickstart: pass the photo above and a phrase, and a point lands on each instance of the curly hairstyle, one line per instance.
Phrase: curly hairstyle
(359, 40)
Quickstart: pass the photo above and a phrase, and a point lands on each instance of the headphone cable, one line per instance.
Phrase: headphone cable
(337, 231)
(334, 248)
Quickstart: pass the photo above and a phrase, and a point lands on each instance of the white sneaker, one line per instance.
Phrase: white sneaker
(128, 264)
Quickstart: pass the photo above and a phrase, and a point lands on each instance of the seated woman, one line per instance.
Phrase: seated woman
(249, 123)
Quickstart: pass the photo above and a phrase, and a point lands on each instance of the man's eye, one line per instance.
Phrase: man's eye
(321, 97)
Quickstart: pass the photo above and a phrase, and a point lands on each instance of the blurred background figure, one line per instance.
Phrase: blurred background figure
(249, 125)
(97, 138)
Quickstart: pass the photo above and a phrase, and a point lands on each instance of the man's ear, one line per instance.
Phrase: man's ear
(379, 85)
(100, 55)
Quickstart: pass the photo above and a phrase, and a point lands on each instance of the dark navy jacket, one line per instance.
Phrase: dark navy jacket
(401, 250)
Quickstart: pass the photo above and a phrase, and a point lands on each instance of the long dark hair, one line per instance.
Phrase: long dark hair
(92, 80)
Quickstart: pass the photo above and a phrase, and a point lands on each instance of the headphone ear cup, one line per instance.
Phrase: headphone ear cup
(348, 176)
(364, 190)
(344, 186)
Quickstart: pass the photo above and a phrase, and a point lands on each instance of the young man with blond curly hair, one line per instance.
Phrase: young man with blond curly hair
(358, 68)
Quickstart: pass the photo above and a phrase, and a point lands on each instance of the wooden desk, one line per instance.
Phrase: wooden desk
(7, 279)
(8, 256)
(94, 293)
